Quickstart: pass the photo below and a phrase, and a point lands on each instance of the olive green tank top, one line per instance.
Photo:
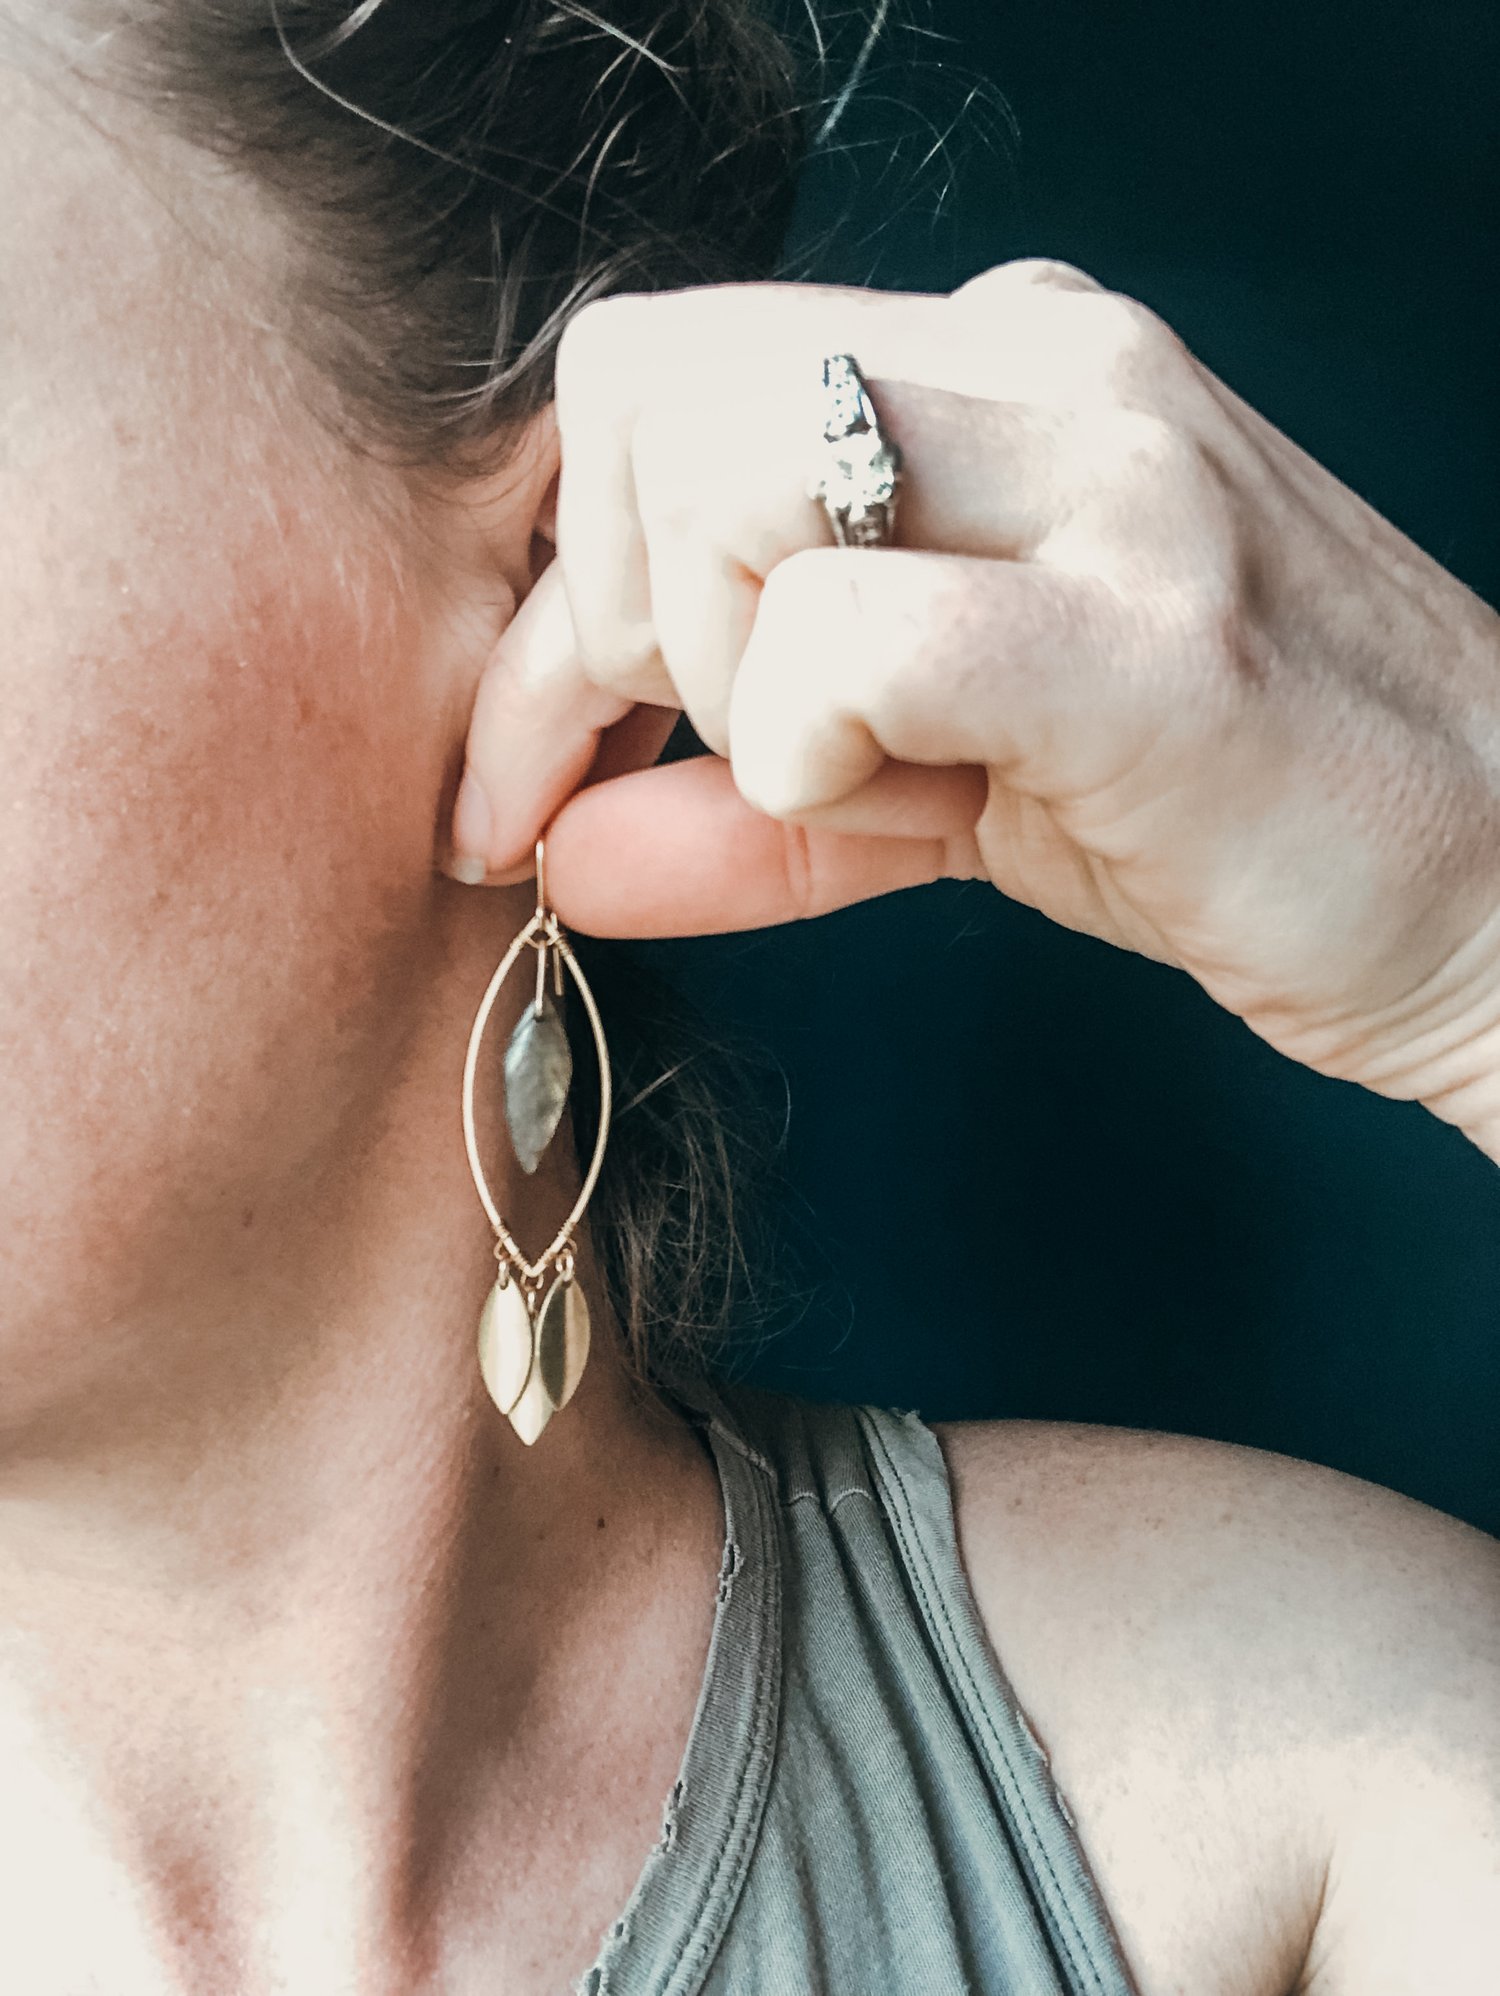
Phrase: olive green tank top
(862, 1808)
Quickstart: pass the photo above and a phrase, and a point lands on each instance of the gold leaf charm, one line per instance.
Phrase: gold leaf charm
(562, 1340)
(533, 1347)
(562, 1351)
(506, 1344)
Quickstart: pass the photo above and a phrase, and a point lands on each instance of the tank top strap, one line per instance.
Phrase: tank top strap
(863, 1803)
(826, 1453)
(907, 1464)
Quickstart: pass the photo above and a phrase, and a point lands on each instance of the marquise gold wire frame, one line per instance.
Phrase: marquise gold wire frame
(533, 1348)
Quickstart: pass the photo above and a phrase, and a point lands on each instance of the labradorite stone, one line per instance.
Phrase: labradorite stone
(538, 1071)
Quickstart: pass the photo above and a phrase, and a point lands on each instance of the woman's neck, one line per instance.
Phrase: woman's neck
(282, 1597)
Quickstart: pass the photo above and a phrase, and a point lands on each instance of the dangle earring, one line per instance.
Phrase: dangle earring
(534, 1330)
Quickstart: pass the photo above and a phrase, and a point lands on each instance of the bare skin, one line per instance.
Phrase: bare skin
(312, 1680)
(311, 1677)
(1271, 1694)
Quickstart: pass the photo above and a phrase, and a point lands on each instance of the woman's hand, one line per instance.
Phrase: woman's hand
(1135, 658)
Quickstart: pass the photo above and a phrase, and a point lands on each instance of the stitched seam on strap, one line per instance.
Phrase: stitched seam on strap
(1080, 1956)
(687, 1974)
(830, 1504)
(1074, 1941)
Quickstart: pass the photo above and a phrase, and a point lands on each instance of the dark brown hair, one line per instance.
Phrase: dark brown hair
(462, 175)
(457, 178)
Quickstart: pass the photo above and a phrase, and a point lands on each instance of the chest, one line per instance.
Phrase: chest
(75, 1921)
(132, 1900)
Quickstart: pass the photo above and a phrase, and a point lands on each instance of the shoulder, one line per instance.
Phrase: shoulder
(1270, 1691)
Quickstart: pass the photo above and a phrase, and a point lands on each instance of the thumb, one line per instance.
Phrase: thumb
(677, 851)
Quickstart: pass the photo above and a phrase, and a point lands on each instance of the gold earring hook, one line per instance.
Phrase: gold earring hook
(549, 935)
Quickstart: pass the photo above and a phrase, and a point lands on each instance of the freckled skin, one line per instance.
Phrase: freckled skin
(352, 1632)
(311, 1677)
(237, 662)
(222, 734)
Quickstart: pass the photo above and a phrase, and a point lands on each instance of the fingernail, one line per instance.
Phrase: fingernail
(467, 872)
(472, 824)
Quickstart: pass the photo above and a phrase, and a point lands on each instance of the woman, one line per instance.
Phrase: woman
(313, 1678)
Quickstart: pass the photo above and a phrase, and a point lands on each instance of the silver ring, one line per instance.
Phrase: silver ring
(861, 472)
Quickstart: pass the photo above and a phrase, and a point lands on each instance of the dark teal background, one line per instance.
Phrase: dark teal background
(1048, 1178)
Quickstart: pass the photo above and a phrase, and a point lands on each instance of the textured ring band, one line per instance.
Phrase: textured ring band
(861, 467)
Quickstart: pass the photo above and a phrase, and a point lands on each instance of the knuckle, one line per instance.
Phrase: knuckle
(1140, 448)
(634, 672)
(621, 658)
(595, 339)
(1136, 321)
(1118, 459)
(1201, 652)
(1131, 346)
(1157, 478)
(1049, 272)
(992, 300)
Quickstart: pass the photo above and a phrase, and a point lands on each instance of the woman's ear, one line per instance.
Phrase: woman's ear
(508, 517)
(544, 530)
(539, 728)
